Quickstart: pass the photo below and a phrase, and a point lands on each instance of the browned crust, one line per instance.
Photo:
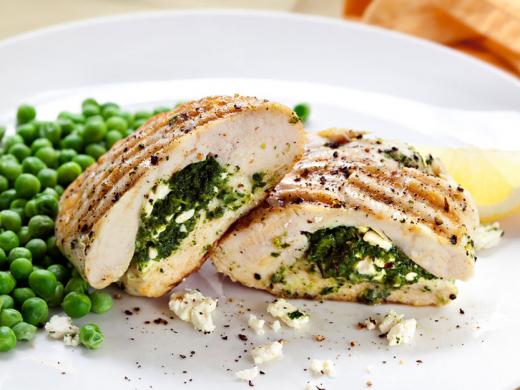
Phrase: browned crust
(92, 194)
(347, 175)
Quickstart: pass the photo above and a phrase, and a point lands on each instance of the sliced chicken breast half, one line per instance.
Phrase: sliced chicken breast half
(357, 219)
(149, 210)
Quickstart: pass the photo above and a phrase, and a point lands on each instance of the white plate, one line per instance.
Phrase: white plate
(353, 76)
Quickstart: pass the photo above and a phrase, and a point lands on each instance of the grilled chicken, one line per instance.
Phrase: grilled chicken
(357, 219)
(149, 210)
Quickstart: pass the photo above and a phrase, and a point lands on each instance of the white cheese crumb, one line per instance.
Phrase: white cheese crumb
(60, 326)
(377, 239)
(267, 352)
(488, 236)
(276, 326)
(402, 332)
(369, 323)
(323, 367)
(184, 216)
(391, 319)
(71, 340)
(288, 313)
(366, 267)
(410, 276)
(192, 306)
(152, 253)
(256, 324)
(248, 374)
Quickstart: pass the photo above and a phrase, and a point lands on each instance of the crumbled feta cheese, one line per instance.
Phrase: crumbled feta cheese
(152, 253)
(488, 236)
(323, 367)
(192, 306)
(391, 319)
(267, 352)
(184, 216)
(402, 332)
(60, 326)
(410, 276)
(276, 326)
(363, 229)
(369, 323)
(248, 374)
(366, 267)
(71, 340)
(256, 324)
(288, 313)
(377, 239)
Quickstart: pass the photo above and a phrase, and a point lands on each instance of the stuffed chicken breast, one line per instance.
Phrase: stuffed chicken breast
(357, 219)
(149, 210)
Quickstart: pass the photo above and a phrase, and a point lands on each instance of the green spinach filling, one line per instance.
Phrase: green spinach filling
(340, 252)
(199, 191)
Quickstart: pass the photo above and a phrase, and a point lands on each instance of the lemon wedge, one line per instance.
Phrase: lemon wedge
(491, 176)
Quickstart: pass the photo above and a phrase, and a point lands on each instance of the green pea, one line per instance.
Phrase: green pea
(47, 261)
(19, 252)
(59, 189)
(7, 339)
(95, 131)
(21, 294)
(68, 172)
(13, 140)
(8, 240)
(24, 331)
(10, 169)
(23, 235)
(10, 317)
(47, 205)
(27, 185)
(139, 122)
(21, 268)
(35, 311)
(101, 302)
(76, 305)
(89, 101)
(18, 204)
(43, 283)
(33, 165)
(6, 302)
(4, 184)
(30, 209)
(10, 220)
(60, 271)
(112, 137)
(7, 282)
(52, 248)
(76, 284)
(73, 141)
(66, 125)
(39, 143)
(6, 198)
(50, 191)
(83, 161)
(143, 115)
(66, 155)
(76, 118)
(95, 150)
(117, 123)
(48, 178)
(91, 109)
(127, 133)
(91, 336)
(40, 226)
(51, 131)
(3, 259)
(303, 111)
(20, 151)
(28, 132)
(128, 117)
(57, 297)
(37, 247)
(25, 113)
(48, 155)
(2, 132)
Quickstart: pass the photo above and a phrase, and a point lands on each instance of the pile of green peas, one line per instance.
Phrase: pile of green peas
(36, 164)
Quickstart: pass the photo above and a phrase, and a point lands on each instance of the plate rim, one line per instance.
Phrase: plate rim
(267, 14)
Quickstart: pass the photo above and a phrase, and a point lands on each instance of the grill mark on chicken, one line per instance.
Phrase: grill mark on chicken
(107, 177)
